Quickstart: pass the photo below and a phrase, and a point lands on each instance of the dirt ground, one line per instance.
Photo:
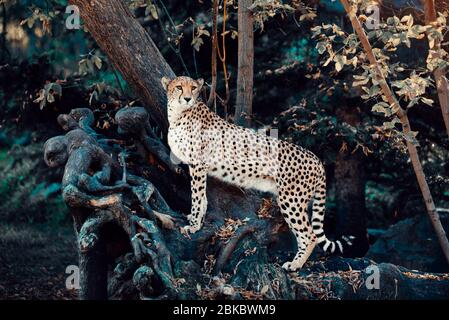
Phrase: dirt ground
(33, 261)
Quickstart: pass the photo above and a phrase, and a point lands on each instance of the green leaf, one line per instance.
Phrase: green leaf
(382, 107)
(90, 66)
(53, 87)
(30, 22)
(340, 61)
(391, 124)
(97, 61)
(326, 63)
(82, 66)
(50, 98)
(362, 80)
(321, 47)
(152, 10)
(427, 101)
(196, 43)
(411, 137)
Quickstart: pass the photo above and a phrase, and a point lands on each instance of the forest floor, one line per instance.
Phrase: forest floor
(33, 261)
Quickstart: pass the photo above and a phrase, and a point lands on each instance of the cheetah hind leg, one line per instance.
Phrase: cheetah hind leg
(302, 255)
(294, 211)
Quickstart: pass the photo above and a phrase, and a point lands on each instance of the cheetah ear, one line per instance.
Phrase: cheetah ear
(200, 82)
(165, 81)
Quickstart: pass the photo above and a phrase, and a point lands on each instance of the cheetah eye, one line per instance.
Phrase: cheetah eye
(179, 87)
(194, 88)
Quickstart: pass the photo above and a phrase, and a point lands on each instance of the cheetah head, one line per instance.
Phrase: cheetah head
(182, 92)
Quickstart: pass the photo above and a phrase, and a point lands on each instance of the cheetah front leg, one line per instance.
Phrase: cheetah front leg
(198, 174)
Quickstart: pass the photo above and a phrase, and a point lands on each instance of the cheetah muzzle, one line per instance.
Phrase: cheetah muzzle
(240, 156)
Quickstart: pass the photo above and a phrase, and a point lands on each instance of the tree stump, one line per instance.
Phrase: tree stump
(129, 239)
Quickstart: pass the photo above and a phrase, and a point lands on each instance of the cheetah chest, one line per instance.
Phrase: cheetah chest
(186, 143)
(177, 148)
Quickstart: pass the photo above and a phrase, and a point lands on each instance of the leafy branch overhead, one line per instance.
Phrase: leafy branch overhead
(401, 114)
(410, 84)
(39, 15)
(197, 40)
(149, 6)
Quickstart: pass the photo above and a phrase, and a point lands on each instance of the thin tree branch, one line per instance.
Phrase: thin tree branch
(222, 56)
(175, 50)
(439, 73)
(212, 99)
(402, 115)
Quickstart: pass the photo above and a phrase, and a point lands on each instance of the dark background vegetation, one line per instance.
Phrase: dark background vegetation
(311, 105)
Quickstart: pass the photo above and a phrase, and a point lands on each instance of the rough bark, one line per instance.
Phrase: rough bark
(131, 51)
(94, 273)
(245, 73)
(439, 74)
(349, 177)
(402, 115)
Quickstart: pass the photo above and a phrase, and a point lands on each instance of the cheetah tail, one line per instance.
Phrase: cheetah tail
(318, 208)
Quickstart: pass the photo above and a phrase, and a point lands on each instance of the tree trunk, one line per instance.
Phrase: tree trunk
(439, 73)
(131, 51)
(134, 54)
(94, 273)
(402, 115)
(350, 192)
(244, 99)
(214, 38)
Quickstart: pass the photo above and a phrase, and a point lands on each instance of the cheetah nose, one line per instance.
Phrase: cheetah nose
(187, 99)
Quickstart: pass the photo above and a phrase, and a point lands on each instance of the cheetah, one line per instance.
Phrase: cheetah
(243, 157)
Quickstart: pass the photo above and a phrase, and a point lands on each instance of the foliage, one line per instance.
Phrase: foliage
(265, 9)
(197, 40)
(38, 15)
(24, 197)
(410, 82)
(48, 94)
(149, 6)
(89, 63)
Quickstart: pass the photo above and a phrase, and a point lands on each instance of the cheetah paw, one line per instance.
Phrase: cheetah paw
(291, 266)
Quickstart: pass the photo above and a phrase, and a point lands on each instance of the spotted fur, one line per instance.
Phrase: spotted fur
(240, 156)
